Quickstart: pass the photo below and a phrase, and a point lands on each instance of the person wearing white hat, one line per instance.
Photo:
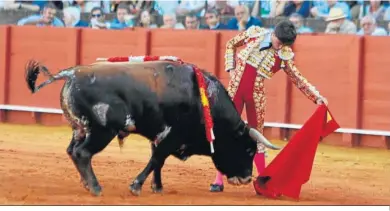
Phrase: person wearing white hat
(338, 23)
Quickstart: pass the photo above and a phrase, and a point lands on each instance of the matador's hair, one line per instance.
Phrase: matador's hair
(285, 31)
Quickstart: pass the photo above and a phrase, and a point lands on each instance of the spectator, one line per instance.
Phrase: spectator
(97, 18)
(243, 20)
(223, 8)
(388, 28)
(338, 22)
(322, 8)
(170, 22)
(141, 5)
(386, 15)
(137, 6)
(277, 8)
(375, 8)
(213, 20)
(355, 8)
(297, 6)
(369, 27)
(123, 19)
(297, 20)
(266, 8)
(146, 20)
(72, 17)
(16, 5)
(191, 6)
(193, 22)
(45, 18)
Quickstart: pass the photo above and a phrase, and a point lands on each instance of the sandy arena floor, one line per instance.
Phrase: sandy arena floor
(36, 170)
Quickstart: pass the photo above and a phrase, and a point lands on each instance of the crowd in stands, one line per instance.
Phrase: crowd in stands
(342, 17)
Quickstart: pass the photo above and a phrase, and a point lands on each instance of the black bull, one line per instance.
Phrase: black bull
(158, 100)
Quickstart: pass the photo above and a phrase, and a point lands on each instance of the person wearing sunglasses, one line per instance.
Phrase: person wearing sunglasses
(97, 18)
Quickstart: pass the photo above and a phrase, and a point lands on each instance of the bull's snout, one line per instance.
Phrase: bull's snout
(239, 180)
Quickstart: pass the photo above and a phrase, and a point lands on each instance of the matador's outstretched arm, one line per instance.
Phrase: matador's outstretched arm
(301, 82)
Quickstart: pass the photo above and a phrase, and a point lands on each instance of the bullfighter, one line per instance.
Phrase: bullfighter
(265, 53)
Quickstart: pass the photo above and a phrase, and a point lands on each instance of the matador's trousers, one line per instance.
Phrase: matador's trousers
(247, 88)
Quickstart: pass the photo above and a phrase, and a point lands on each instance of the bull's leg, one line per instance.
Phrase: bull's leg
(156, 181)
(156, 162)
(74, 143)
(96, 140)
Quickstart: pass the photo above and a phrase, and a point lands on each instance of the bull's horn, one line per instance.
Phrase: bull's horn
(256, 135)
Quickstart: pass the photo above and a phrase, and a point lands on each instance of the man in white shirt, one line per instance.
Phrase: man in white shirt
(369, 27)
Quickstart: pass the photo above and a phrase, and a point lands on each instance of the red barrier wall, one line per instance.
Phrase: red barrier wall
(351, 71)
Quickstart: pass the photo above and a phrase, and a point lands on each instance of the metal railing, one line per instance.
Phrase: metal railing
(266, 124)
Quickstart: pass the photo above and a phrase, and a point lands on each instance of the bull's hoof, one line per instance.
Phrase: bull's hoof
(135, 189)
(96, 190)
(156, 189)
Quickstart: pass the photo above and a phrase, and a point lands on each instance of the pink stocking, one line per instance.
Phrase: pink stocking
(218, 179)
(259, 162)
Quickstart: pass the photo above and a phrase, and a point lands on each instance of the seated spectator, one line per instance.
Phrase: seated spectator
(72, 17)
(170, 22)
(386, 15)
(193, 22)
(355, 8)
(322, 8)
(97, 18)
(297, 20)
(191, 6)
(17, 5)
(277, 8)
(243, 20)
(136, 7)
(145, 20)
(369, 27)
(123, 19)
(388, 28)
(375, 9)
(222, 7)
(213, 20)
(266, 8)
(338, 23)
(45, 18)
(297, 6)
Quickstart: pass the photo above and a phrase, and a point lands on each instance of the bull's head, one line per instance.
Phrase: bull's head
(234, 155)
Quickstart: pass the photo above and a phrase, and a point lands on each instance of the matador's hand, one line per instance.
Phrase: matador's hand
(322, 100)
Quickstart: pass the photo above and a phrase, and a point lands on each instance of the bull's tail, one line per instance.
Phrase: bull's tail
(32, 70)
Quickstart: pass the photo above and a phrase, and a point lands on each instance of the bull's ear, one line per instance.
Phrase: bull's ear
(258, 137)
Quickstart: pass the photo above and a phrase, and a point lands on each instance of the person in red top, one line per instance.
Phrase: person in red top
(265, 53)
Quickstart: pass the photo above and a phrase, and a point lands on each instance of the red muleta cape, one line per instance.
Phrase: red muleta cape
(291, 168)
